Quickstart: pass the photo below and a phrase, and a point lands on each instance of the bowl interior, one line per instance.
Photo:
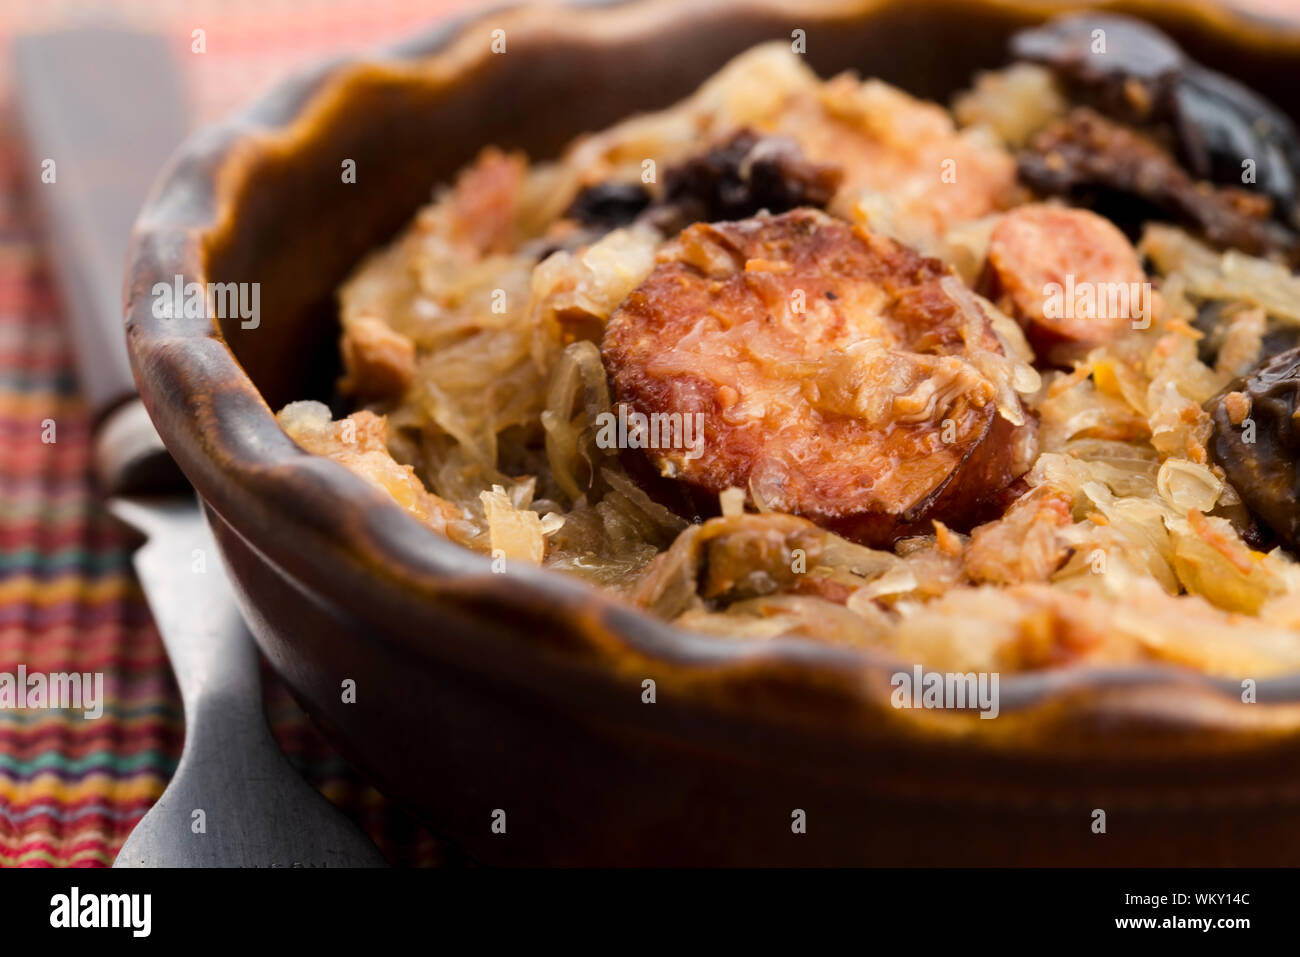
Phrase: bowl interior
(299, 229)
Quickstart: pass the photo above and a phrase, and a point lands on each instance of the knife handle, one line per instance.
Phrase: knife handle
(101, 109)
(255, 809)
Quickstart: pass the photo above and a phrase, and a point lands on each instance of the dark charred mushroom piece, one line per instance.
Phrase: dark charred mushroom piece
(740, 177)
(607, 206)
(729, 559)
(1256, 441)
(1134, 74)
(595, 211)
(1211, 321)
(1125, 68)
(735, 179)
(1226, 131)
(1129, 178)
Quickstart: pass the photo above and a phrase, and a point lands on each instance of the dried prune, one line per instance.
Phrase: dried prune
(1124, 67)
(1129, 178)
(607, 206)
(1134, 74)
(1225, 130)
(1256, 441)
(734, 179)
(741, 176)
(1213, 320)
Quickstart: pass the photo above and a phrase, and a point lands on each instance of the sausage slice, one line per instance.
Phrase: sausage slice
(1069, 276)
(834, 374)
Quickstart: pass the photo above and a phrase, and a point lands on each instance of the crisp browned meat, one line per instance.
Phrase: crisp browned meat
(485, 200)
(1025, 544)
(1090, 159)
(379, 361)
(904, 162)
(360, 444)
(1068, 276)
(838, 375)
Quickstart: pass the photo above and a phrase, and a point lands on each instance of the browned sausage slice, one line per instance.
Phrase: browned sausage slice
(1069, 276)
(836, 375)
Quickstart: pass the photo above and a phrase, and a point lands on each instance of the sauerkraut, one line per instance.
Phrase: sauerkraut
(472, 346)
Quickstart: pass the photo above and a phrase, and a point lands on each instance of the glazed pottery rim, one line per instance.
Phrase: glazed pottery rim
(247, 469)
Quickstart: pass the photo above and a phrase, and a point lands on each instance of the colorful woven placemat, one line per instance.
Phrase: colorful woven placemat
(72, 788)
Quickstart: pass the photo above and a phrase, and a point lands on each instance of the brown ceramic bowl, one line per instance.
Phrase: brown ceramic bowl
(523, 692)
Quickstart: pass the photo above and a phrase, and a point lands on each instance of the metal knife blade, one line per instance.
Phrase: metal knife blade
(100, 110)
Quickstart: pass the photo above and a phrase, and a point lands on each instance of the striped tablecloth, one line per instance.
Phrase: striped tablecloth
(71, 789)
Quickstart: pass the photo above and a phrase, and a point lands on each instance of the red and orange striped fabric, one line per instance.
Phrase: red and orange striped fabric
(71, 789)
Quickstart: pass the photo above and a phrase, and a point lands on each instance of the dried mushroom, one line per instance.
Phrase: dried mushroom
(1256, 441)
